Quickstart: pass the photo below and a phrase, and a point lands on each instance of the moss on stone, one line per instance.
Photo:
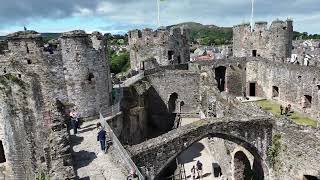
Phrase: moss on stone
(10, 77)
(274, 151)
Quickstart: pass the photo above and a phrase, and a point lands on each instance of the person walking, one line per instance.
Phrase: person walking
(74, 122)
(77, 117)
(199, 169)
(281, 109)
(101, 137)
(133, 176)
(193, 172)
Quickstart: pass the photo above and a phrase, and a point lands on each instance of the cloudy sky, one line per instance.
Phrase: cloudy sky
(118, 16)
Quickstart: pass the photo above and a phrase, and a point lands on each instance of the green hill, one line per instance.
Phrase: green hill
(207, 34)
(46, 36)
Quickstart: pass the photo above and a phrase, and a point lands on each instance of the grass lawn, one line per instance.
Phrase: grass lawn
(274, 108)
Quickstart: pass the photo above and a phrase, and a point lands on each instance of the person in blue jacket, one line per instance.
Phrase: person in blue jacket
(101, 137)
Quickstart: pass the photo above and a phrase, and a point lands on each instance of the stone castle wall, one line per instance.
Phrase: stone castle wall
(38, 109)
(293, 81)
(271, 43)
(166, 46)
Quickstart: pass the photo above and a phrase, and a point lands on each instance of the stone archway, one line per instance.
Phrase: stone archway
(164, 149)
(244, 168)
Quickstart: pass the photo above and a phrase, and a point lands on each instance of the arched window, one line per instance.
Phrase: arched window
(172, 102)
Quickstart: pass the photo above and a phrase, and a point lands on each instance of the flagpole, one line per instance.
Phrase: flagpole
(158, 4)
(252, 8)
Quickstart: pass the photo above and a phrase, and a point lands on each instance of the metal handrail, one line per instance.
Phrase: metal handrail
(122, 152)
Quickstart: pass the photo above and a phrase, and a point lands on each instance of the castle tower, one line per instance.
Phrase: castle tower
(274, 42)
(86, 71)
(166, 46)
(25, 42)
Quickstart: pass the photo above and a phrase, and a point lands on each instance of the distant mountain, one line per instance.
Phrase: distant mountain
(207, 34)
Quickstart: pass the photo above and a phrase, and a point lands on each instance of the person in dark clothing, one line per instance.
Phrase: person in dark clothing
(74, 122)
(199, 169)
(193, 172)
(101, 137)
(286, 111)
(281, 109)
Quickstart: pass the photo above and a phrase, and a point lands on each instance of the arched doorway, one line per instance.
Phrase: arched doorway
(242, 167)
(220, 76)
(172, 103)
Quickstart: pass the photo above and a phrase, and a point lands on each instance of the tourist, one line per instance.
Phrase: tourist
(77, 117)
(193, 172)
(199, 169)
(133, 175)
(74, 122)
(286, 111)
(289, 108)
(281, 109)
(101, 137)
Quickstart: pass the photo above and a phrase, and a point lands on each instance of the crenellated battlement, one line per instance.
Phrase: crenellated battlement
(273, 41)
(263, 25)
(147, 35)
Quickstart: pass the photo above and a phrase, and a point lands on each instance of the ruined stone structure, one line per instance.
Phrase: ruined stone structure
(166, 46)
(254, 134)
(274, 42)
(37, 81)
(213, 83)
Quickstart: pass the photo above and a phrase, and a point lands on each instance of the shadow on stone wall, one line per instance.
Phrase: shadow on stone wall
(160, 121)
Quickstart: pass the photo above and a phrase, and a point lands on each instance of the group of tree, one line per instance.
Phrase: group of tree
(304, 36)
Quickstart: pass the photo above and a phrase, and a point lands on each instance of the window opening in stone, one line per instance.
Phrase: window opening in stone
(19, 75)
(181, 104)
(2, 155)
(284, 28)
(27, 48)
(90, 77)
(4, 70)
(29, 61)
(170, 55)
(299, 78)
(254, 53)
(308, 177)
(307, 101)
(318, 86)
(172, 102)
(179, 60)
(252, 89)
(275, 91)
(220, 76)
(139, 34)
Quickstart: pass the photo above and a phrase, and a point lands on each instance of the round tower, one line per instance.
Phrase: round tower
(79, 62)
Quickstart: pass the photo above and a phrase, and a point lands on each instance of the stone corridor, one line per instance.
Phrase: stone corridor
(89, 162)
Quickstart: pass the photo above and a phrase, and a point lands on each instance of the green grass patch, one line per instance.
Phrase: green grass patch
(298, 118)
